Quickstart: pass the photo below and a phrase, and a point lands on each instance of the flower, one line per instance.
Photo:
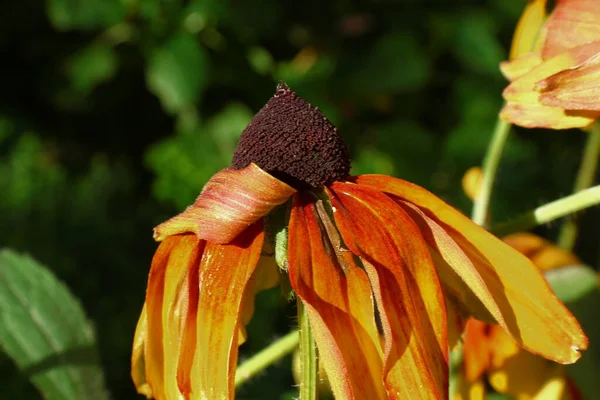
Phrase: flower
(375, 261)
(489, 350)
(555, 66)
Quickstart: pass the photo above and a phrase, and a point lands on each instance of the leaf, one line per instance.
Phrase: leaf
(84, 14)
(91, 66)
(43, 328)
(573, 282)
(178, 72)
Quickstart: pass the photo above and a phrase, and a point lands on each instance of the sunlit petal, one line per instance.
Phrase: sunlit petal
(406, 288)
(527, 33)
(339, 305)
(138, 361)
(231, 201)
(519, 297)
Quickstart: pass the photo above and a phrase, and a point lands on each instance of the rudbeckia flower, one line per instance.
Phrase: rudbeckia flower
(489, 349)
(555, 66)
(382, 267)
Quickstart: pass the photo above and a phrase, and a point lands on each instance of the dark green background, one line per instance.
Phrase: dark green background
(114, 113)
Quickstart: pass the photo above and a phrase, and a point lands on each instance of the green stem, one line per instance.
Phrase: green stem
(585, 179)
(490, 168)
(308, 351)
(551, 211)
(266, 357)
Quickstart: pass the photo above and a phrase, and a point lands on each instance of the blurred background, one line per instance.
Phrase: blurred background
(114, 113)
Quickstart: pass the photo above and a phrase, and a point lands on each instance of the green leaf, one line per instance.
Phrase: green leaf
(178, 72)
(91, 66)
(43, 328)
(84, 14)
(573, 282)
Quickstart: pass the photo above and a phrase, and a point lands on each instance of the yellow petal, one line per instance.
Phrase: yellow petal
(231, 201)
(138, 362)
(471, 182)
(223, 276)
(518, 67)
(527, 33)
(513, 289)
(544, 254)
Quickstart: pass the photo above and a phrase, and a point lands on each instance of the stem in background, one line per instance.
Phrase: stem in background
(266, 357)
(308, 351)
(490, 168)
(551, 211)
(585, 179)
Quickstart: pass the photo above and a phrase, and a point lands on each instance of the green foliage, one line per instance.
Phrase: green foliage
(43, 328)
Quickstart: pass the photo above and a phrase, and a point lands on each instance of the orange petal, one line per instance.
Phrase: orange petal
(406, 287)
(223, 277)
(542, 253)
(476, 349)
(518, 296)
(572, 23)
(337, 297)
(523, 105)
(574, 89)
(527, 33)
(167, 311)
(231, 201)
(138, 358)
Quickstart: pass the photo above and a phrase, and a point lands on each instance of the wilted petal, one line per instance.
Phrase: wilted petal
(223, 277)
(574, 89)
(166, 312)
(231, 201)
(138, 357)
(572, 23)
(523, 105)
(406, 287)
(527, 33)
(337, 297)
(519, 297)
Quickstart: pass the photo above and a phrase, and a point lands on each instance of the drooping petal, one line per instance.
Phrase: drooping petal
(476, 349)
(337, 297)
(138, 358)
(524, 106)
(574, 89)
(224, 273)
(167, 311)
(231, 201)
(519, 297)
(544, 254)
(406, 288)
(572, 23)
(527, 33)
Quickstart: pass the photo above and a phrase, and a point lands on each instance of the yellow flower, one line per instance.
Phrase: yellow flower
(356, 244)
(555, 66)
(489, 350)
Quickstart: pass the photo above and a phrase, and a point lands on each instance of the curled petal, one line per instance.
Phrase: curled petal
(572, 23)
(406, 287)
(337, 297)
(527, 33)
(506, 282)
(574, 89)
(223, 277)
(231, 201)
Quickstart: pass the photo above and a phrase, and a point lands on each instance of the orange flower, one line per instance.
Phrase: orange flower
(555, 66)
(355, 245)
(488, 349)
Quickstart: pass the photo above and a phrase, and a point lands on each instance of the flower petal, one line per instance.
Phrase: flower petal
(138, 358)
(572, 23)
(166, 311)
(231, 201)
(406, 287)
(476, 349)
(523, 105)
(544, 254)
(519, 297)
(527, 33)
(223, 277)
(574, 89)
(518, 67)
(337, 297)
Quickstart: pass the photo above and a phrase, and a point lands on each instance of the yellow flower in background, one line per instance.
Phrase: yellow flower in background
(374, 260)
(554, 66)
(490, 351)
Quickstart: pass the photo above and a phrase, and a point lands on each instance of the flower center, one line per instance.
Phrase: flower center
(293, 141)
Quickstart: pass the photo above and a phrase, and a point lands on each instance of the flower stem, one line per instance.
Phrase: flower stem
(585, 178)
(490, 168)
(308, 351)
(266, 357)
(551, 211)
